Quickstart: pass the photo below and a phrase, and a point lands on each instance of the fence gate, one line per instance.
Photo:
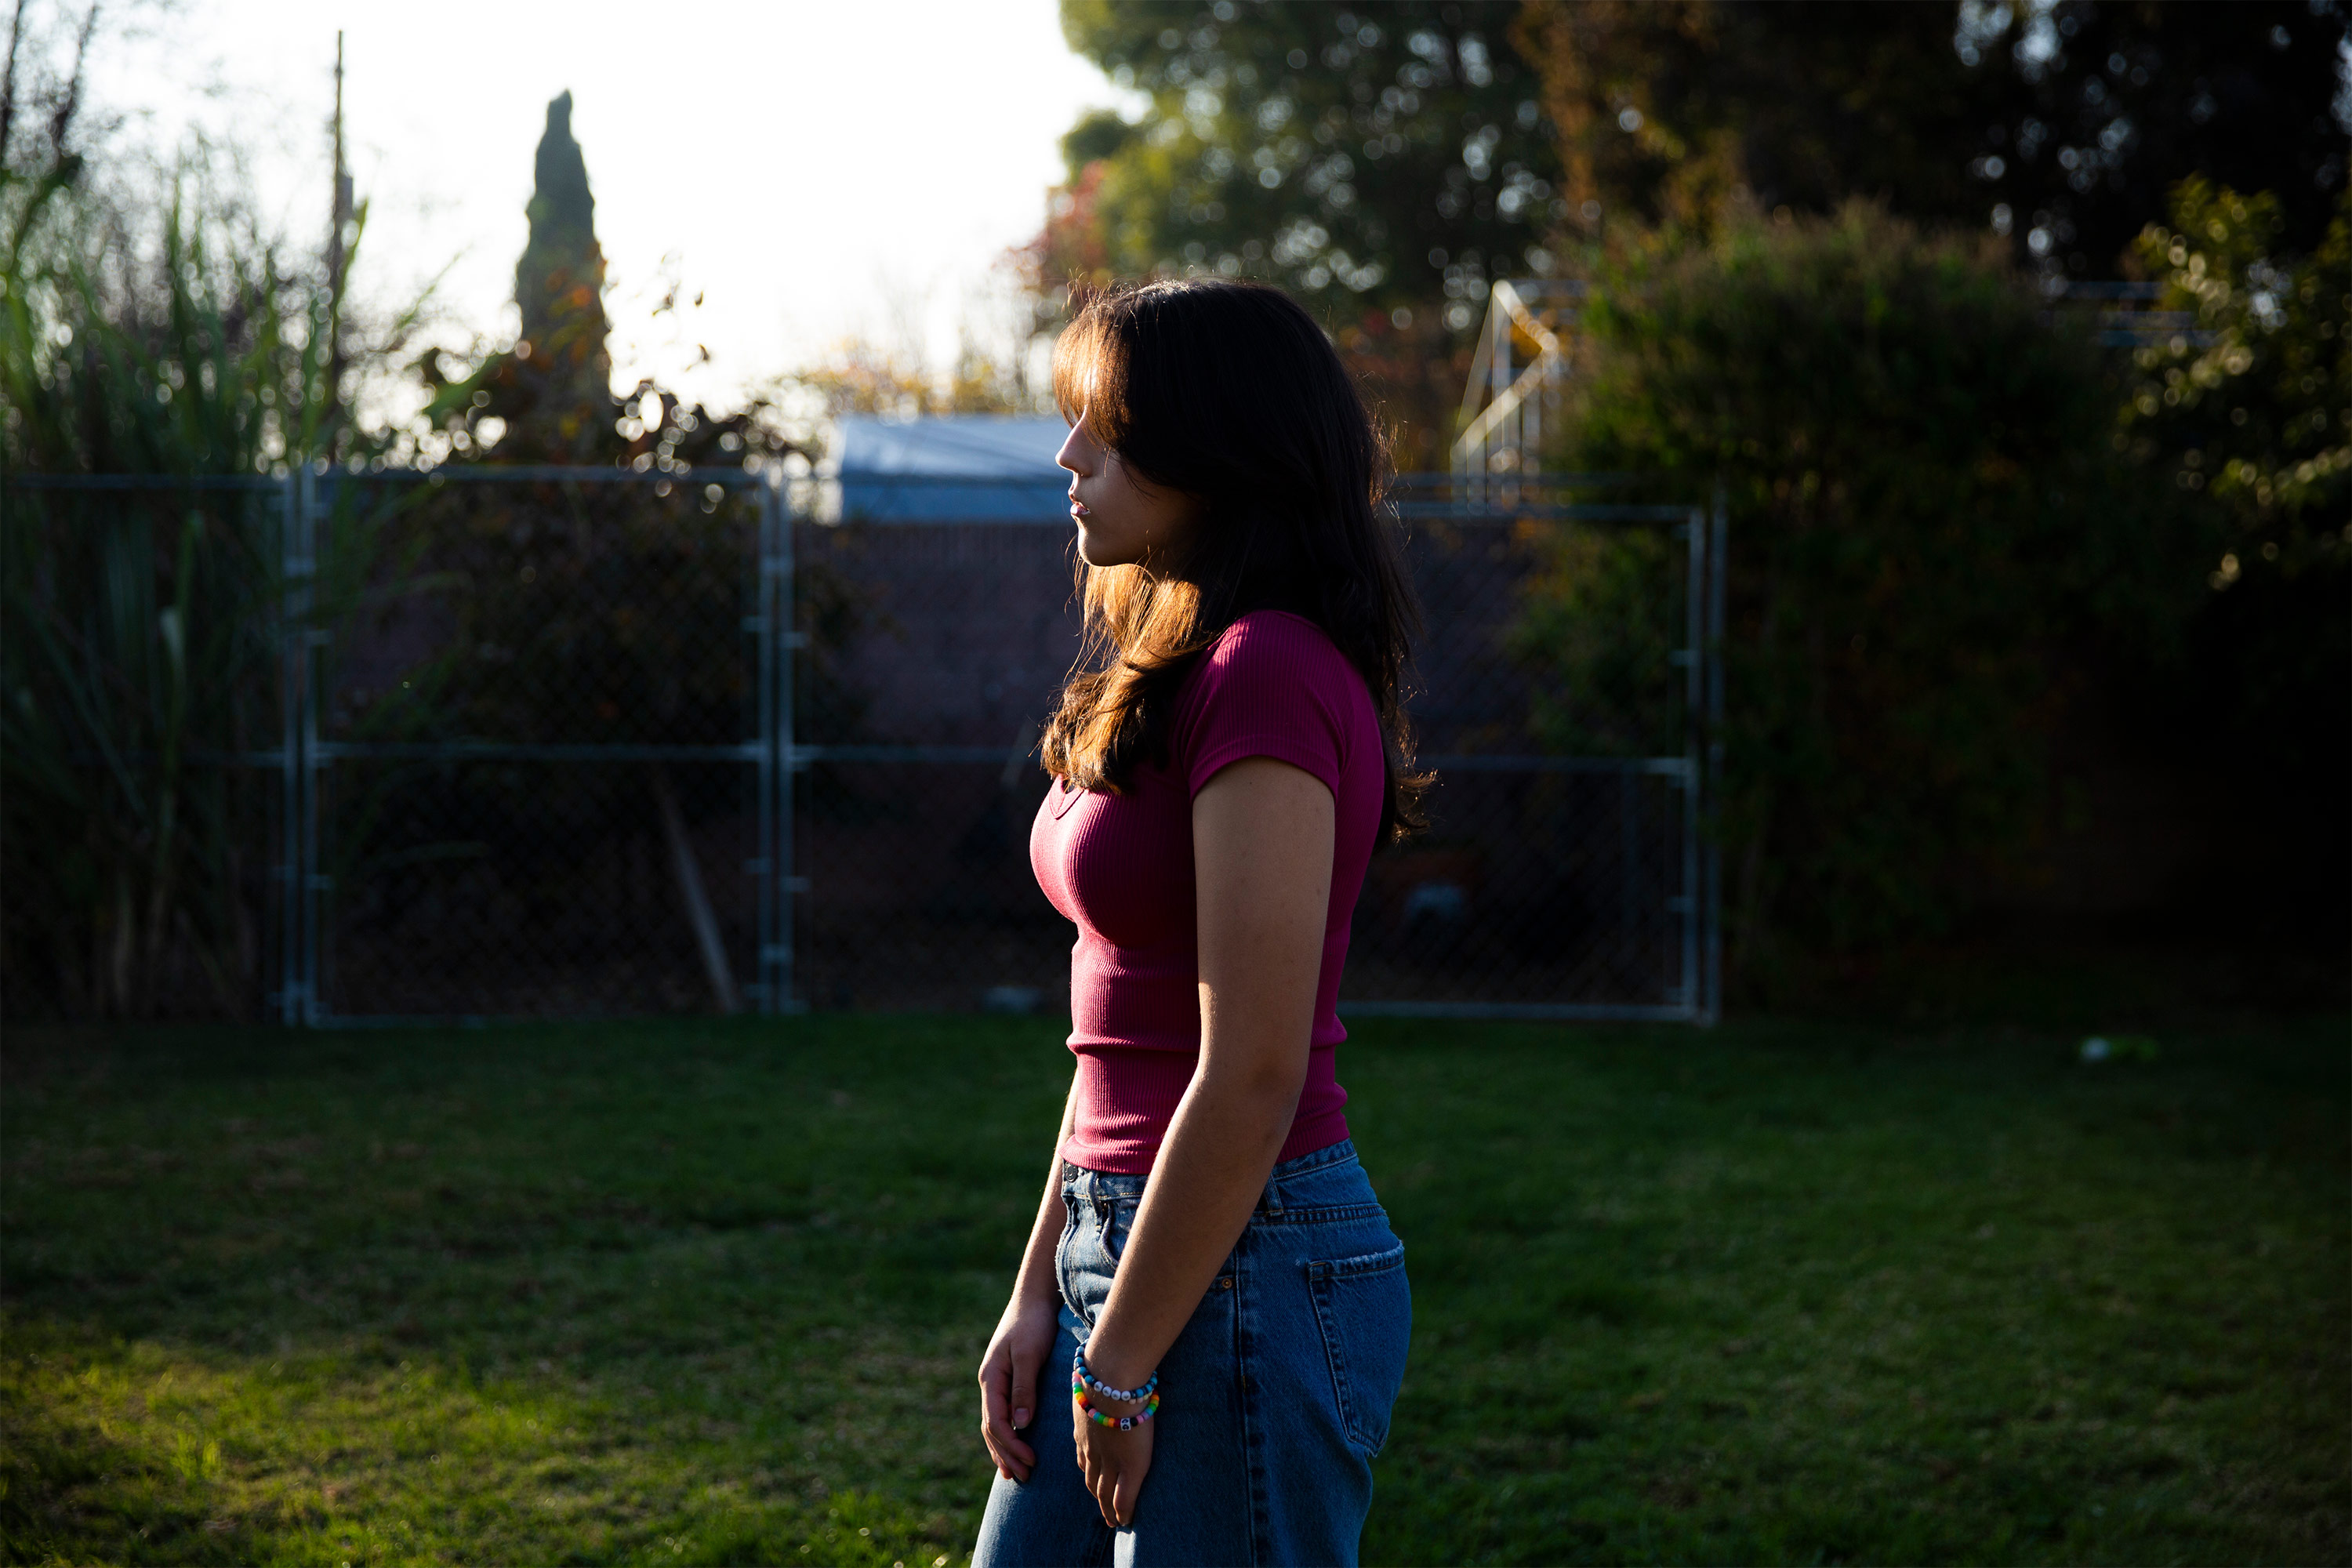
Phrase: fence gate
(537, 751)
(1568, 871)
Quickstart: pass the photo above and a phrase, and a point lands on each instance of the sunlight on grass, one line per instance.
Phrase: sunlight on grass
(136, 1452)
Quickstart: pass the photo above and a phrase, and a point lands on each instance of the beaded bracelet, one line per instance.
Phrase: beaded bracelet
(1117, 1422)
(1081, 1375)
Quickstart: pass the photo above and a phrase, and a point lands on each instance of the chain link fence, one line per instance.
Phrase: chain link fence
(1564, 691)
(560, 743)
(544, 748)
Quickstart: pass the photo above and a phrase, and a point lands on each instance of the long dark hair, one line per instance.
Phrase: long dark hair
(1229, 393)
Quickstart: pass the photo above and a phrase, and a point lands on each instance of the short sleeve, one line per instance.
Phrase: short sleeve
(1271, 686)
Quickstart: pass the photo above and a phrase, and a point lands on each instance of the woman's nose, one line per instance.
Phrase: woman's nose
(1076, 453)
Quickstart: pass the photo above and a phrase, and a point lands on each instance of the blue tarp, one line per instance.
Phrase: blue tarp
(964, 467)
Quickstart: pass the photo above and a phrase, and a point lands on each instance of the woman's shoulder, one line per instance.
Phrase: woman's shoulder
(1274, 684)
(1273, 662)
(1279, 645)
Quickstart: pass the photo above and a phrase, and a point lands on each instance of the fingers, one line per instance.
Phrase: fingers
(1003, 1454)
(1094, 1471)
(1102, 1483)
(1113, 1479)
(1013, 1458)
(990, 1427)
(1113, 1469)
(1021, 1393)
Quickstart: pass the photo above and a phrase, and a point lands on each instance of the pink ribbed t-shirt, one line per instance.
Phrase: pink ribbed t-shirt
(1121, 867)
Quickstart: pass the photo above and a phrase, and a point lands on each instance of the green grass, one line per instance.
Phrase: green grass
(712, 1293)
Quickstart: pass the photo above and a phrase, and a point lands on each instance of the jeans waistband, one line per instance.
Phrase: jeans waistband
(1083, 1183)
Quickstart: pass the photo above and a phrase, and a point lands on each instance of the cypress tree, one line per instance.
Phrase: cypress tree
(564, 412)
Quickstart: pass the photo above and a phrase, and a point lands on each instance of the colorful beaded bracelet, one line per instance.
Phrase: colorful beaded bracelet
(1117, 1422)
(1081, 1374)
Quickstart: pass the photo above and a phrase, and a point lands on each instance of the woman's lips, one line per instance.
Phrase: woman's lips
(1077, 506)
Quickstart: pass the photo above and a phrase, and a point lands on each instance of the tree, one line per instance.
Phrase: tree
(2253, 409)
(40, 81)
(2104, 106)
(551, 395)
(560, 280)
(2248, 418)
(1381, 161)
(549, 399)
(858, 376)
(2061, 126)
(1359, 157)
(1686, 111)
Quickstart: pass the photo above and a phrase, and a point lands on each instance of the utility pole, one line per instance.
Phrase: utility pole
(340, 224)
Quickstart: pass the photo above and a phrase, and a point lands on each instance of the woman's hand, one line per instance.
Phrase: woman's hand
(1114, 1463)
(1025, 1334)
(1008, 1380)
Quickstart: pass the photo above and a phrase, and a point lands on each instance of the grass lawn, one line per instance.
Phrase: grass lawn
(704, 1292)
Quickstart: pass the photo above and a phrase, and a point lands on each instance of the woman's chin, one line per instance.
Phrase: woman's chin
(1096, 551)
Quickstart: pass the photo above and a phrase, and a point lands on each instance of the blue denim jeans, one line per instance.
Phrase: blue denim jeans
(1273, 1399)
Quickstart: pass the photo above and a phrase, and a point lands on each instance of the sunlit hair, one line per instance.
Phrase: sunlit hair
(1228, 394)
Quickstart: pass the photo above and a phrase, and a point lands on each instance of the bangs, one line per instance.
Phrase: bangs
(1090, 368)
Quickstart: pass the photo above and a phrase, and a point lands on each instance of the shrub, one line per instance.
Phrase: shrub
(1926, 514)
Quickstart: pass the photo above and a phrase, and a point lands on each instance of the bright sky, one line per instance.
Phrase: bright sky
(815, 169)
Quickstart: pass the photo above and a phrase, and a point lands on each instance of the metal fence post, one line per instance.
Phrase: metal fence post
(1718, 571)
(763, 765)
(783, 640)
(1693, 700)
(292, 589)
(1628, 802)
(298, 756)
(314, 879)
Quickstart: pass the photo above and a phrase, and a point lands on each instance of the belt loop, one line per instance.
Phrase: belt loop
(1272, 1202)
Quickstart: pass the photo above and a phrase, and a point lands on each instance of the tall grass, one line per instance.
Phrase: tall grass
(139, 648)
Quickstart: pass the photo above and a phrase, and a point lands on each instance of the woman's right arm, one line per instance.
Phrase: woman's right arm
(1025, 1334)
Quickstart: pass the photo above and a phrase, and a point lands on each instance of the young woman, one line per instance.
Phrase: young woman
(1209, 1327)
